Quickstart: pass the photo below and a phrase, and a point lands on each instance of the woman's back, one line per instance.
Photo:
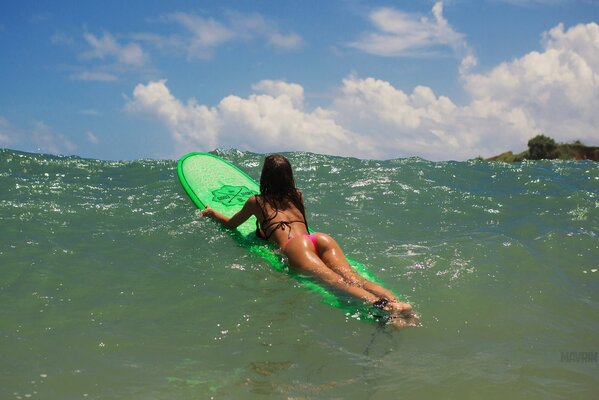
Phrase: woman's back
(280, 224)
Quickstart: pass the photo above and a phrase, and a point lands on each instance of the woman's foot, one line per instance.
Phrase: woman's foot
(401, 314)
(398, 307)
(402, 321)
(395, 308)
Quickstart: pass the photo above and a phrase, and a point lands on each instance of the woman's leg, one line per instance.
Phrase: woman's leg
(302, 256)
(332, 255)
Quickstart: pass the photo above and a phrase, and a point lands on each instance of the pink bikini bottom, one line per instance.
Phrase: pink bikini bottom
(311, 236)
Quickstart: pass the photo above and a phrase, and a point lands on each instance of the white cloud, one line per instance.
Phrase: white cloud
(6, 132)
(255, 25)
(260, 122)
(165, 43)
(91, 112)
(94, 76)
(62, 38)
(293, 91)
(558, 88)
(400, 34)
(106, 59)
(528, 3)
(204, 35)
(369, 118)
(91, 137)
(47, 141)
(424, 124)
(4, 139)
(40, 18)
(186, 122)
(397, 122)
(467, 64)
(290, 41)
(554, 92)
(107, 47)
(265, 122)
(40, 137)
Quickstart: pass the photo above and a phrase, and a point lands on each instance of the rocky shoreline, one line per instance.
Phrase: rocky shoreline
(544, 148)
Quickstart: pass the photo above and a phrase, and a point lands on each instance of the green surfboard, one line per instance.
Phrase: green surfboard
(209, 179)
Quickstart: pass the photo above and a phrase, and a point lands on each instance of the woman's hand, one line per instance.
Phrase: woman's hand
(233, 222)
(207, 212)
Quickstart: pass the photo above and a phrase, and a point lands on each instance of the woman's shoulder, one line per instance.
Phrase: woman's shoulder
(255, 199)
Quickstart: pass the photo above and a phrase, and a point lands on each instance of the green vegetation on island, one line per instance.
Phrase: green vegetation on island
(542, 147)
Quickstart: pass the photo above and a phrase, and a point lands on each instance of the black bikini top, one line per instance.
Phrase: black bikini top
(261, 230)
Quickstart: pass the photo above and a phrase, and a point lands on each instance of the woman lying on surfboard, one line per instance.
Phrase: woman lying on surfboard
(281, 218)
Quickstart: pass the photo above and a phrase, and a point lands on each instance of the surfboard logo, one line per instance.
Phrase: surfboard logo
(232, 195)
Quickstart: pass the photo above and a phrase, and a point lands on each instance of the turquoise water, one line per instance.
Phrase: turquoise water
(111, 287)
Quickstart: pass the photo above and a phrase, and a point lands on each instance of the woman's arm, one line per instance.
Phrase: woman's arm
(249, 209)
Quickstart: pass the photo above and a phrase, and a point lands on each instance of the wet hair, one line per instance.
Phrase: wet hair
(277, 186)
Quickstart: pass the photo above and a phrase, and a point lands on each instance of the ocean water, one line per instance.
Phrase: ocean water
(112, 287)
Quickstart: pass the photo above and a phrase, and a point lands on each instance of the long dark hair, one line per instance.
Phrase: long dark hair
(277, 186)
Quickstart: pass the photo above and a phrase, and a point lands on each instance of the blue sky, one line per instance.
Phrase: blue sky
(372, 79)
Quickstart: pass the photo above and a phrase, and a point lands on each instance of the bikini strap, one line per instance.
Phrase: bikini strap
(261, 229)
(282, 225)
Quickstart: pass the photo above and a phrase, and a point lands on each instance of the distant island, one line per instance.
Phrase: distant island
(542, 147)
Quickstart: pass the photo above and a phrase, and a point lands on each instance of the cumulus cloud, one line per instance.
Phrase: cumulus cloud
(292, 91)
(395, 121)
(556, 89)
(554, 92)
(189, 121)
(260, 122)
(401, 34)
